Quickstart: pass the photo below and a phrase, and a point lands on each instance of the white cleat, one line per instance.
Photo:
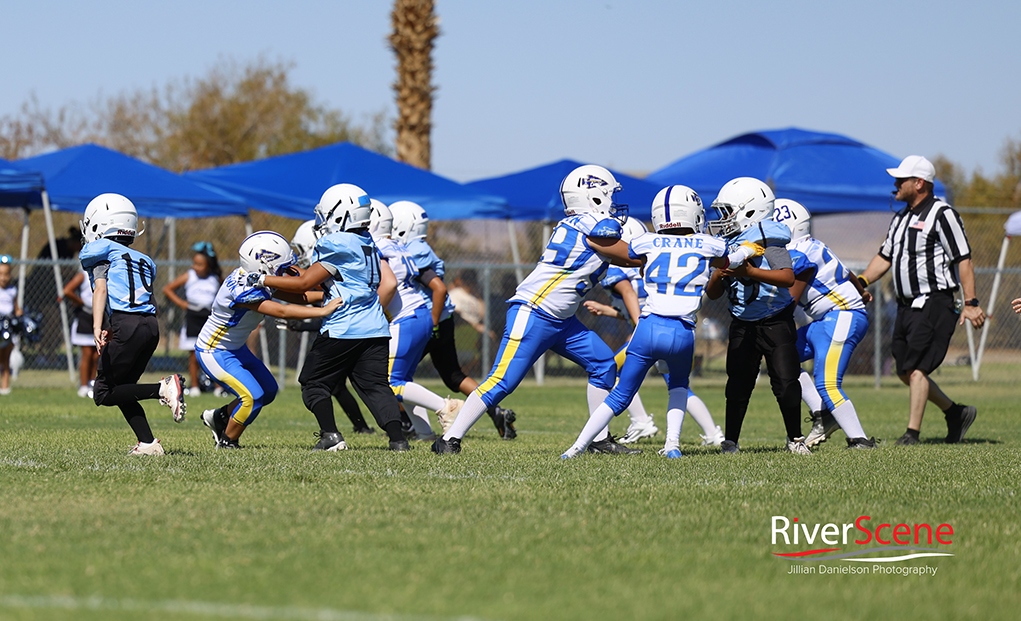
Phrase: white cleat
(448, 413)
(83, 391)
(637, 431)
(715, 439)
(172, 395)
(797, 446)
(152, 448)
(571, 453)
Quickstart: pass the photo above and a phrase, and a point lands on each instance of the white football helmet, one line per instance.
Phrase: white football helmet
(343, 207)
(794, 216)
(265, 252)
(381, 220)
(410, 221)
(678, 207)
(632, 228)
(741, 203)
(109, 215)
(590, 189)
(304, 242)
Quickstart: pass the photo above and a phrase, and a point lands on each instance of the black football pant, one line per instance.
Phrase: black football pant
(443, 352)
(775, 339)
(131, 340)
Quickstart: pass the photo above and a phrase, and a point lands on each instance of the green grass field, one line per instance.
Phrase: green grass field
(506, 530)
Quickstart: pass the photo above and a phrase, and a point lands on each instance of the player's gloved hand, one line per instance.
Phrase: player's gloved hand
(744, 252)
(436, 332)
(757, 250)
(256, 280)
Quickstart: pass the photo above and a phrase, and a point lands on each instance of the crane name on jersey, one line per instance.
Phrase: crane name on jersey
(675, 241)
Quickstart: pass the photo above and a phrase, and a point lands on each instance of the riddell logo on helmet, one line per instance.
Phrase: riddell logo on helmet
(883, 537)
(125, 231)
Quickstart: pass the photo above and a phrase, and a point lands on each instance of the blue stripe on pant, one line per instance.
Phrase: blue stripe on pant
(830, 341)
(528, 333)
(655, 338)
(408, 338)
(244, 375)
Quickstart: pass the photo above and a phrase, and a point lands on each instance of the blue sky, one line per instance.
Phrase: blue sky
(632, 85)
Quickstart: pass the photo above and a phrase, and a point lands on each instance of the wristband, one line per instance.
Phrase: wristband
(864, 281)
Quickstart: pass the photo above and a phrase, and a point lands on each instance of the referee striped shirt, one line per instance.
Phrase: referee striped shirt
(922, 245)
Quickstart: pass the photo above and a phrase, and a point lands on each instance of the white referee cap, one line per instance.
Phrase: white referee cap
(914, 166)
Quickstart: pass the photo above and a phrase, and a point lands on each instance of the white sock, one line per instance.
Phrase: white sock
(417, 394)
(808, 392)
(420, 421)
(636, 410)
(848, 419)
(597, 424)
(676, 401)
(595, 397)
(473, 409)
(698, 410)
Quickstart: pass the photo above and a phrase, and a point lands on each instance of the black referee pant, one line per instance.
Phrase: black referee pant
(442, 350)
(331, 361)
(775, 339)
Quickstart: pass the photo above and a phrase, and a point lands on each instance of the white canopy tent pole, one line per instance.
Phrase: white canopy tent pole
(971, 347)
(992, 303)
(171, 224)
(24, 257)
(59, 282)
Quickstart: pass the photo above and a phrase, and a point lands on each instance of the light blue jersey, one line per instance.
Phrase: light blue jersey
(751, 300)
(353, 262)
(129, 275)
(424, 257)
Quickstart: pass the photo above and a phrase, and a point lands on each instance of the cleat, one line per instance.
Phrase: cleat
(227, 443)
(419, 437)
(441, 446)
(671, 453)
(216, 424)
(194, 391)
(610, 445)
(503, 420)
(330, 441)
(83, 391)
(448, 413)
(152, 448)
(861, 443)
(729, 447)
(797, 446)
(368, 431)
(172, 395)
(906, 440)
(959, 423)
(715, 439)
(637, 431)
(399, 445)
(823, 426)
(571, 453)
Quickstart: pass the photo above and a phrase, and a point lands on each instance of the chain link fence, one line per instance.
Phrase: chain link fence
(487, 259)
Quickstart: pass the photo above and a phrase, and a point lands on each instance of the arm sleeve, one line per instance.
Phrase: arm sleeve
(99, 270)
(778, 258)
(425, 276)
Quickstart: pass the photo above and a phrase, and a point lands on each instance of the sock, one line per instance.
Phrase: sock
(678, 398)
(138, 423)
(808, 392)
(847, 417)
(323, 411)
(473, 409)
(393, 431)
(596, 396)
(954, 409)
(912, 433)
(597, 424)
(420, 421)
(636, 410)
(417, 394)
(698, 411)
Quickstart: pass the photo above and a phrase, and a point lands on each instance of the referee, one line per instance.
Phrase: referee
(924, 245)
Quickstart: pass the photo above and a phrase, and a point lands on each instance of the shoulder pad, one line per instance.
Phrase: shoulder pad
(607, 228)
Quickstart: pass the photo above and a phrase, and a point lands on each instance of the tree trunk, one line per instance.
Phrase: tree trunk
(415, 26)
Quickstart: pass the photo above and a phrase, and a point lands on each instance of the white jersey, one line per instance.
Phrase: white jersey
(229, 324)
(676, 271)
(8, 295)
(409, 292)
(569, 267)
(831, 287)
(200, 292)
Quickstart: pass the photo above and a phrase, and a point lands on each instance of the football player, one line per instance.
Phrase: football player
(676, 261)
(410, 227)
(833, 298)
(124, 317)
(220, 345)
(541, 314)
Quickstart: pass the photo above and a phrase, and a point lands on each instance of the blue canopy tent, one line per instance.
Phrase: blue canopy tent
(74, 176)
(19, 187)
(290, 185)
(827, 173)
(534, 194)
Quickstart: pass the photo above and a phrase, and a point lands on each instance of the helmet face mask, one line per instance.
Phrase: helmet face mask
(343, 207)
(304, 242)
(678, 207)
(411, 222)
(267, 253)
(590, 189)
(108, 216)
(794, 216)
(380, 220)
(741, 203)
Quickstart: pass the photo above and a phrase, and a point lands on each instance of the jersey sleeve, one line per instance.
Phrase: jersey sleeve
(250, 295)
(772, 234)
(951, 235)
(613, 276)
(94, 253)
(608, 228)
(800, 261)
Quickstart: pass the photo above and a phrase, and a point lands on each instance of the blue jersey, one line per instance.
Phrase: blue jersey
(424, 257)
(353, 263)
(751, 300)
(129, 275)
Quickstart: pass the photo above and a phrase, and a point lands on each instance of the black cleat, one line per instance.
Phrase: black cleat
(441, 446)
(906, 440)
(399, 445)
(610, 445)
(330, 441)
(227, 443)
(503, 420)
(861, 443)
(959, 420)
(365, 430)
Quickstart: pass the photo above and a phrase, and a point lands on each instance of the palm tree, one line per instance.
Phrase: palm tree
(415, 26)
